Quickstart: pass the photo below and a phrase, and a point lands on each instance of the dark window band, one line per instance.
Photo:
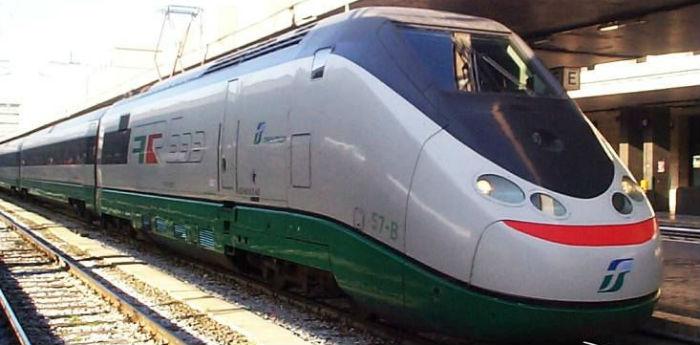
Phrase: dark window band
(69, 152)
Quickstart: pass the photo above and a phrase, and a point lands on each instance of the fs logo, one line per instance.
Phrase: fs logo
(259, 133)
(617, 270)
(144, 147)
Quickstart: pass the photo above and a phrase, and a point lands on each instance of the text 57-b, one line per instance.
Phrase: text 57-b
(381, 225)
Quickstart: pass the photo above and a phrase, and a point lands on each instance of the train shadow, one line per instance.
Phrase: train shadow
(35, 325)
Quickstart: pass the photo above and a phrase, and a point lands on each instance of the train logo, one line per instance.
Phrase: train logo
(259, 133)
(259, 139)
(144, 147)
(618, 268)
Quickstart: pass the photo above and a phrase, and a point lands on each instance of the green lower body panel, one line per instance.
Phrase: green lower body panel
(8, 183)
(61, 191)
(194, 222)
(376, 277)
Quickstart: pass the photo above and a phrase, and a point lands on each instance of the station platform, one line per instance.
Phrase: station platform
(679, 306)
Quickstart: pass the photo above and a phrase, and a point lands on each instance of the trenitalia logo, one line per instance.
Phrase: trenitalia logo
(143, 146)
(259, 133)
(618, 268)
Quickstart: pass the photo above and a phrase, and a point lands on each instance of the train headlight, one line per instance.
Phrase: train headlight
(548, 205)
(499, 188)
(622, 203)
(632, 189)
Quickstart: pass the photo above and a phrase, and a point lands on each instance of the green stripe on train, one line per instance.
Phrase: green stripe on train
(60, 191)
(378, 277)
(8, 182)
(5, 183)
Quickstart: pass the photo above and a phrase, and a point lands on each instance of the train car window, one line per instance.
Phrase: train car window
(64, 154)
(434, 48)
(90, 144)
(9, 160)
(26, 157)
(72, 151)
(43, 156)
(115, 147)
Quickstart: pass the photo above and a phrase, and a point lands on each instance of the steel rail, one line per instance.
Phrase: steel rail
(20, 335)
(678, 231)
(159, 331)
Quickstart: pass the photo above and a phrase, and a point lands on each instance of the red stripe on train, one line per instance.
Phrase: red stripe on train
(589, 235)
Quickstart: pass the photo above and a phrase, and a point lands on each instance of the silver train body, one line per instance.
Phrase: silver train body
(502, 185)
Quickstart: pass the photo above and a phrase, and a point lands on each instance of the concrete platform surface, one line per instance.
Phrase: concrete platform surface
(680, 292)
(678, 311)
(682, 328)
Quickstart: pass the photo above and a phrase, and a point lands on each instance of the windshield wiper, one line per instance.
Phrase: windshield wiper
(506, 74)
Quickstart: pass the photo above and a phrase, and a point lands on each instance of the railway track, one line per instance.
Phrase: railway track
(332, 308)
(11, 330)
(60, 303)
(680, 232)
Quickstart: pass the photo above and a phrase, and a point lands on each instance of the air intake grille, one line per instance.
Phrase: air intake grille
(180, 231)
(261, 49)
(206, 238)
(161, 225)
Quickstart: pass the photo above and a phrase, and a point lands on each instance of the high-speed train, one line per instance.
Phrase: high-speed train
(425, 163)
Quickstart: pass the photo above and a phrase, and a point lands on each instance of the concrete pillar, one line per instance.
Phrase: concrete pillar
(679, 164)
(682, 126)
(632, 141)
(660, 141)
(647, 134)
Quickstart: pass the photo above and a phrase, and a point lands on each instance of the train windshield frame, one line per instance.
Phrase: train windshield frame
(477, 62)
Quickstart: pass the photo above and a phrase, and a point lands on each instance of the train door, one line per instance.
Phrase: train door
(228, 135)
(262, 149)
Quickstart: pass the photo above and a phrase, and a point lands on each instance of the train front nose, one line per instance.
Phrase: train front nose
(569, 263)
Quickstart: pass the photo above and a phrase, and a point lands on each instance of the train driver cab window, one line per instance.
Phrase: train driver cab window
(492, 64)
(475, 62)
(434, 49)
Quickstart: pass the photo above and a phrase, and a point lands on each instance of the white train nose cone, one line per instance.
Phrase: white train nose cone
(569, 263)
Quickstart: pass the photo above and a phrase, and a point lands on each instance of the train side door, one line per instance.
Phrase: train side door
(228, 136)
(262, 152)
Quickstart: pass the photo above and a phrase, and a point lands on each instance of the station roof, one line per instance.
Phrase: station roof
(582, 33)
